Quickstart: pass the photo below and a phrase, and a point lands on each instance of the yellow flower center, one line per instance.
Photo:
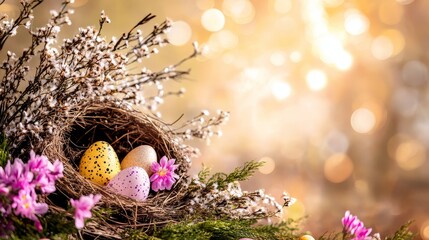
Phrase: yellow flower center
(162, 172)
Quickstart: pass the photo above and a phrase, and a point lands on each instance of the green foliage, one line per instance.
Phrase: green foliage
(55, 226)
(204, 174)
(239, 174)
(332, 236)
(4, 151)
(403, 233)
(228, 230)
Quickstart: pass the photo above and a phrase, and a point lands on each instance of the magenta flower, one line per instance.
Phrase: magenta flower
(352, 225)
(46, 172)
(3, 189)
(25, 205)
(163, 176)
(19, 185)
(16, 175)
(83, 208)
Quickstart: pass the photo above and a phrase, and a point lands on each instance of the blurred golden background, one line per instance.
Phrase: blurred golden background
(332, 94)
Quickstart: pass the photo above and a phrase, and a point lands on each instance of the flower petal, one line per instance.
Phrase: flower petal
(154, 177)
(163, 162)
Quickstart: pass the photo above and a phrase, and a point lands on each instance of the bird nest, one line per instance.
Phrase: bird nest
(124, 130)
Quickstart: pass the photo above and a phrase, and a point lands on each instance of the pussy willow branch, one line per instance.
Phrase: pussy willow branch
(27, 8)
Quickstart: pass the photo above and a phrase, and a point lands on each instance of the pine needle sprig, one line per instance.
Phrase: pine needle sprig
(229, 230)
(403, 233)
(239, 174)
(4, 151)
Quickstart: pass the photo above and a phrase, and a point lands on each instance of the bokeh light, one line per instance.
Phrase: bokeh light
(414, 73)
(296, 211)
(316, 79)
(277, 58)
(224, 39)
(355, 23)
(410, 154)
(241, 11)
(337, 142)
(338, 168)
(363, 120)
(424, 230)
(268, 167)
(213, 20)
(382, 48)
(295, 56)
(180, 33)
(397, 39)
(280, 89)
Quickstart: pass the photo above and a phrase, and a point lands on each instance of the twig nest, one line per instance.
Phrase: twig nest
(125, 130)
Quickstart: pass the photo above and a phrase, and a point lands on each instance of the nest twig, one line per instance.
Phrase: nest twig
(124, 130)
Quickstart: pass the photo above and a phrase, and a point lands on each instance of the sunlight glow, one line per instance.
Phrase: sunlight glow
(316, 79)
(213, 20)
(363, 120)
(338, 168)
(179, 34)
(280, 89)
(355, 23)
(241, 11)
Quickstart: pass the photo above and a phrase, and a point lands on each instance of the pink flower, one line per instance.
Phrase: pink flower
(3, 189)
(352, 225)
(20, 183)
(25, 205)
(46, 172)
(16, 175)
(83, 208)
(163, 176)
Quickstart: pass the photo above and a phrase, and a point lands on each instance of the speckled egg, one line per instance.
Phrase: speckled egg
(142, 156)
(132, 182)
(99, 163)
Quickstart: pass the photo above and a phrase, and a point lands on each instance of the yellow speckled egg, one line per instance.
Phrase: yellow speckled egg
(142, 156)
(99, 163)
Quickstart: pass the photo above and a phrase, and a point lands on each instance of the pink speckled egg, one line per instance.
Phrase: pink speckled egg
(132, 182)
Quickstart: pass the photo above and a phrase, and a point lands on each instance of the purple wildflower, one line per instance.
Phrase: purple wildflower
(16, 175)
(46, 172)
(18, 185)
(83, 208)
(3, 189)
(352, 225)
(163, 176)
(25, 205)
